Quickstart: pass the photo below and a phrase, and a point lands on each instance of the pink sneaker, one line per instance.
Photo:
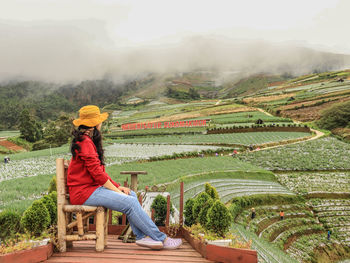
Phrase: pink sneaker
(150, 243)
(172, 243)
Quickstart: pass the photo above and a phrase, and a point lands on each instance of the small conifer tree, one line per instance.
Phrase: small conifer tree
(202, 217)
(36, 218)
(219, 218)
(51, 207)
(199, 202)
(189, 220)
(9, 224)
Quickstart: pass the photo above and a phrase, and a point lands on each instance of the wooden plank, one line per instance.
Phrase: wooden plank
(101, 256)
(175, 252)
(111, 260)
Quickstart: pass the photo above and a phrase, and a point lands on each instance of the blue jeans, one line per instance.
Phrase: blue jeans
(141, 224)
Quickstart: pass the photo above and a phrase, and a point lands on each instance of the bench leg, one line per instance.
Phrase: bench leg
(106, 227)
(100, 230)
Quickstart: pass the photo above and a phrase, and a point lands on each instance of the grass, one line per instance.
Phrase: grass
(161, 172)
(18, 194)
(228, 138)
(9, 133)
(154, 132)
(41, 153)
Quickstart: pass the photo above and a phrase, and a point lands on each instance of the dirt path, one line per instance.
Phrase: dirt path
(9, 145)
(317, 132)
(265, 112)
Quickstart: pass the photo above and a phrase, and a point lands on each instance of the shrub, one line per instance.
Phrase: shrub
(189, 220)
(337, 115)
(202, 217)
(211, 191)
(36, 218)
(51, 207)
(9, 224)
(199, 202)
(219, 218)
(53, 184)
(53, 196)
(160, 206)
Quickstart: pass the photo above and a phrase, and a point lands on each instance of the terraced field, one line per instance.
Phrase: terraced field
(228, 138)
(322, 154)
(316, 182)
(229, 188)
(335, 215)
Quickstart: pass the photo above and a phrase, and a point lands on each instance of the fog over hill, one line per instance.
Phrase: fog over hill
(59, 52)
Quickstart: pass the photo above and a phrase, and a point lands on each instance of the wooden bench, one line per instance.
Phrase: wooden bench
(67, 222)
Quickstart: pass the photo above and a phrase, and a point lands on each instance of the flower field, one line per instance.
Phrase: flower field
(309, 182)
(115, 154)
(322, 154)
(228, 138)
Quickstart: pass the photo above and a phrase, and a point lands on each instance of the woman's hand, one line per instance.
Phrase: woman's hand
(124, 190)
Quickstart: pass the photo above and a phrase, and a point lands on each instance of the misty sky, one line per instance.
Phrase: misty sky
(60, 40)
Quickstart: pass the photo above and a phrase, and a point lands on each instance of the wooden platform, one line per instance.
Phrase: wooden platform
(117, 251)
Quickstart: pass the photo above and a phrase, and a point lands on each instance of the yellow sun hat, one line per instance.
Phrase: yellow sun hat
(90, 116)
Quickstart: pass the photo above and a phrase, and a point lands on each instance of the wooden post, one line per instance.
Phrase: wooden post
(181, 219)
(140, 199)
(107, 218)
(133, 178)
(152, 214)
(100, 231)
(124, 220)
(61, 200)
(134, 182)
(80, 224)
(110, 217)
(167, 211)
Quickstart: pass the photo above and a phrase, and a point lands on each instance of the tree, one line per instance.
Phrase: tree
(193, 94)
(30, 129)
(337, 116)
(58, 132)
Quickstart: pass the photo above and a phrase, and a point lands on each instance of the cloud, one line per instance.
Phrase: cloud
(76, 50)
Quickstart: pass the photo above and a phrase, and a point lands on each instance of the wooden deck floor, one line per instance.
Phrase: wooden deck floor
(117, 251)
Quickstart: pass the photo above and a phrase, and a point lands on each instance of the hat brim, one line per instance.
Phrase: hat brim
(91, 122)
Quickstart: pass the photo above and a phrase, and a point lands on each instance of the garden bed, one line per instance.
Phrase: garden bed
(220, 253)
(36, 254)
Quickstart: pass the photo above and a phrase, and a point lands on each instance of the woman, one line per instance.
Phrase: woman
(89, 184)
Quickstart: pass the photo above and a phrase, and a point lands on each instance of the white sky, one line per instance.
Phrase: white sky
(316, 23)
(73, 40)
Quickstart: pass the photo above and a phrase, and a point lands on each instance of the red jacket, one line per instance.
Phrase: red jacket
(85, 173)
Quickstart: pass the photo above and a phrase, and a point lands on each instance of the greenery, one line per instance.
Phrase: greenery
(159, 205)
(203, 214)
(199, 203)
(243, 202)
(211, 191)
(10, 224)
(189, 219)
(322, 154)
(51, 208)
(18, 194)
(36, 218)
(56, 133)
(219, 218)
(30, 129)
(336, 116)
(53, 185)
(227, 138)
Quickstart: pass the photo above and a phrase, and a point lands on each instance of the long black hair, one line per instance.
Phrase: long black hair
(96, 138)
